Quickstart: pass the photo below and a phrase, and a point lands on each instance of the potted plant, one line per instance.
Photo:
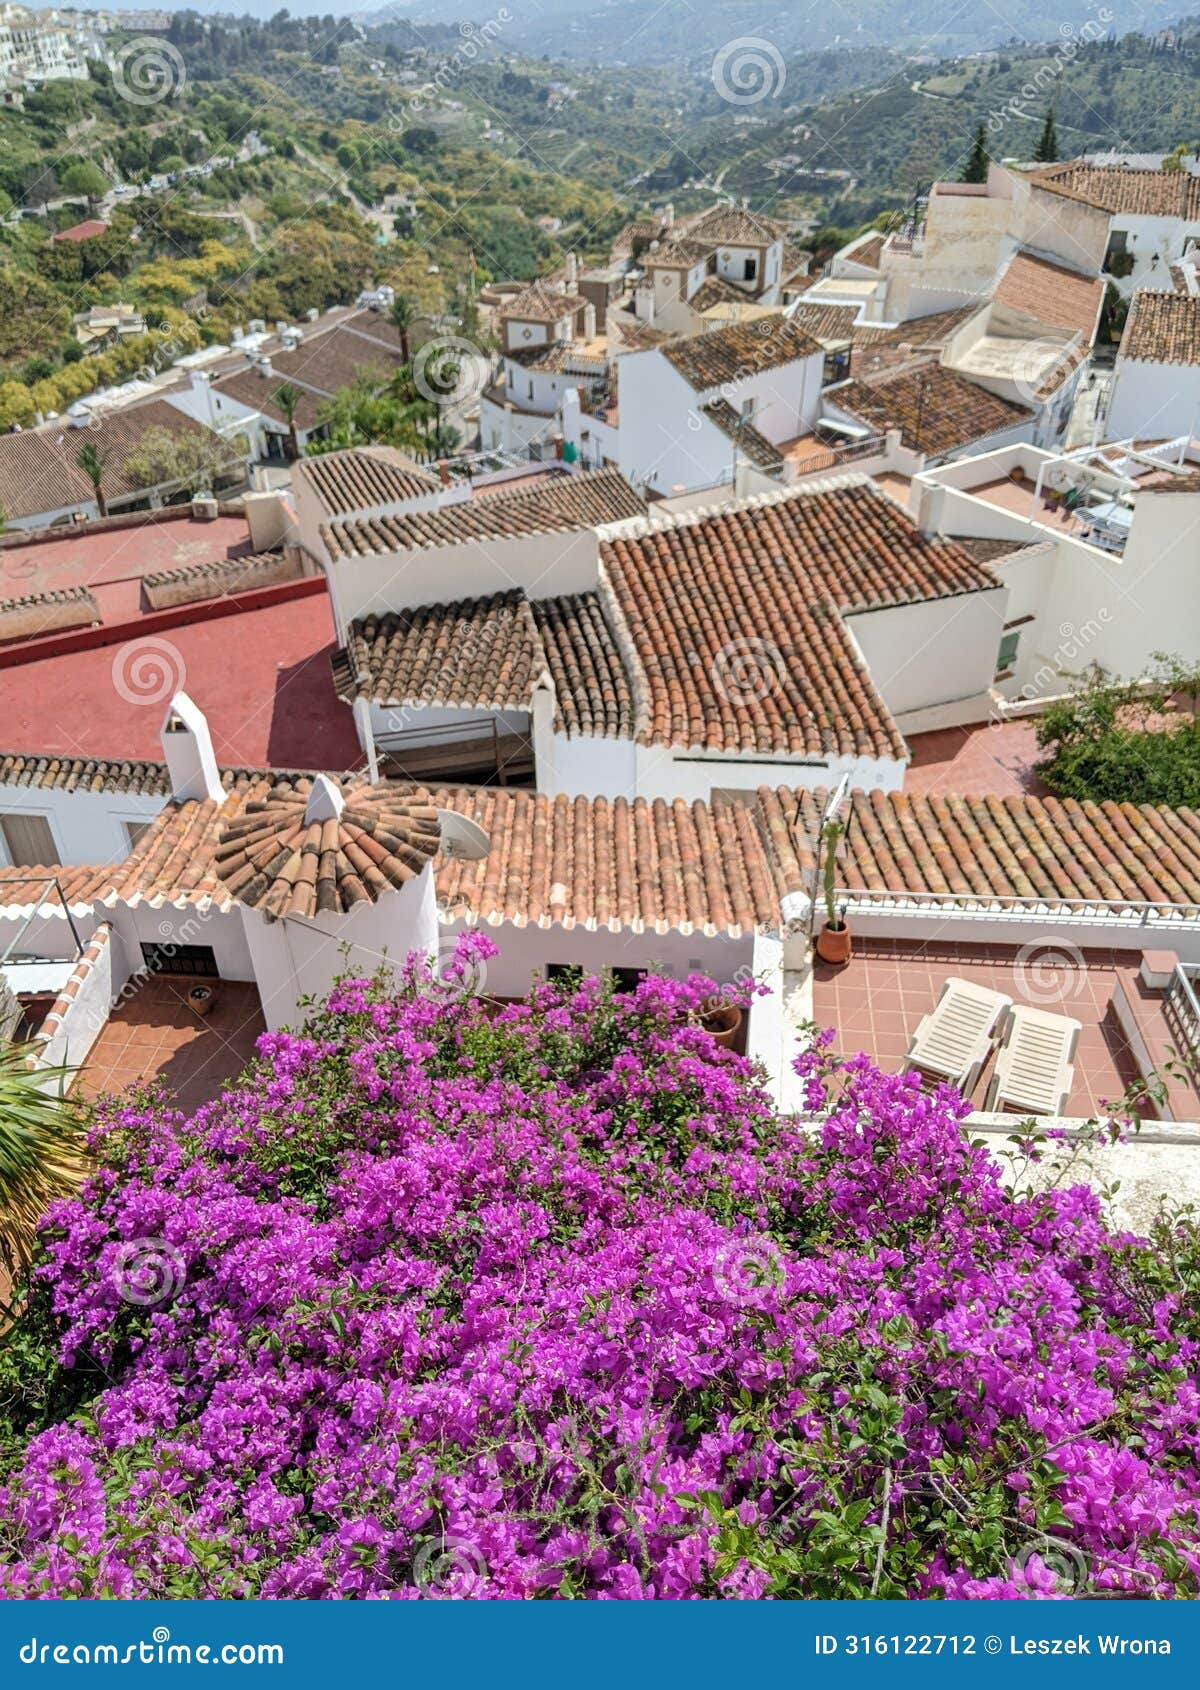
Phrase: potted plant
(833, 941)
(722, 1019)
(201, 999)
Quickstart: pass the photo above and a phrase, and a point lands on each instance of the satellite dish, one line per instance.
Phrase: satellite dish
(463, 840)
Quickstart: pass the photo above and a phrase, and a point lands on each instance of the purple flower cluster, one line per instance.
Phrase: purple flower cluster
(548, 1301)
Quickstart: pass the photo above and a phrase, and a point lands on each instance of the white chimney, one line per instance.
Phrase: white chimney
(238, 335)
(668, 216)
(188, 749)
(572, 270)
(589, 321)
(265, 368)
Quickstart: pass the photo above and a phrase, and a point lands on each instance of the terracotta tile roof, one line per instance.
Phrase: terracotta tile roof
(542, 304)
(637, 866)
(731, 354)
(936, 410)
(756, 446)
(39, 467)
(489, 653)
(795, 262)
(363, 477)
(830, 324)
(481, 652)
(558, 504)
(681, 253)
(318, 367)
(82, 774)
(731, 225)
(593, 690)
(714, 290)
(987, 551)
(1042, 848)
(84, 231)
(928, 333)
(1162, 328)
(272, 857)
(1118, 189)
(1052, 294)
(735, 617)
(81, 883)
(867, 252)
(561, 357)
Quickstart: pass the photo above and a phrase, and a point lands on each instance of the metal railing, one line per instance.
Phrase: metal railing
(48, 884)
(1181, 1008)
(836, 457)
(1097, 910)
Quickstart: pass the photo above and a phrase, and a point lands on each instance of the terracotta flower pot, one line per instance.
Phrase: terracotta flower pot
(201, 999)
(722, 1019)
(834, 944)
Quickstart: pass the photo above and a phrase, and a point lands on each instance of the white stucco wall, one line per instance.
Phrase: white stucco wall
(545, 565)
(934, 652)
(1150, 401)
(296, 959)
(88, 827)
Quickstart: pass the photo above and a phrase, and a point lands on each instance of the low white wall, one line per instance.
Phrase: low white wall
(88, 999)
(589, 767)
(545, 565)
(221, 930)
(665, 773)
(1018, 927)
(526, 952)
(294, 960)
(934, 652)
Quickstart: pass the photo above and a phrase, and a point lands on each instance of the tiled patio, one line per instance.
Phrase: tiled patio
(154, 1033)
(984, 759)
(876, 1001)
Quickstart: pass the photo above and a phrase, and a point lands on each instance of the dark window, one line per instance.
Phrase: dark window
(181, 959)
(751, 269)
(627, 979)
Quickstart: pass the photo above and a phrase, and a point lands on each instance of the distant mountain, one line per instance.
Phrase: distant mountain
(632, 32)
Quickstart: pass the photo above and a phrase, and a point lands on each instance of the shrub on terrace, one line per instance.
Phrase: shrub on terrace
(555, 1305)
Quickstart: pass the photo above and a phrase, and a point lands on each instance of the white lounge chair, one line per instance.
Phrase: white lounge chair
(955, 1039)
(1034, 1065)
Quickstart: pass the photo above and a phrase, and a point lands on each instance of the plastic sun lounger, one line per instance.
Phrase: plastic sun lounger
(955, 1039)
(1034, 1066)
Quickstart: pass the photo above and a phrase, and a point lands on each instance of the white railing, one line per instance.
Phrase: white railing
(1098, 910)
(1181, 1007)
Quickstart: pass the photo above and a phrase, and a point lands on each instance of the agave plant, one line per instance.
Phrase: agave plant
(41, 1151)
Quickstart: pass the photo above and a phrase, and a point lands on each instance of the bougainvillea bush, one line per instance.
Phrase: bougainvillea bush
(550, 1303)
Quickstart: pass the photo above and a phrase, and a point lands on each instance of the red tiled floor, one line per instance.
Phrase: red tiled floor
(859, 1002)
(261, 677)
(156, 1033)
(987, 758)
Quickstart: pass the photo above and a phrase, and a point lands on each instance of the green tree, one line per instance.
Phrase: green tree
(193, 462)
(40, 1151)
(288, 399)
(84, 178)
(1126, 742)
(404, 315)
(92, 461)
(977, 161)
(1046, 151)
